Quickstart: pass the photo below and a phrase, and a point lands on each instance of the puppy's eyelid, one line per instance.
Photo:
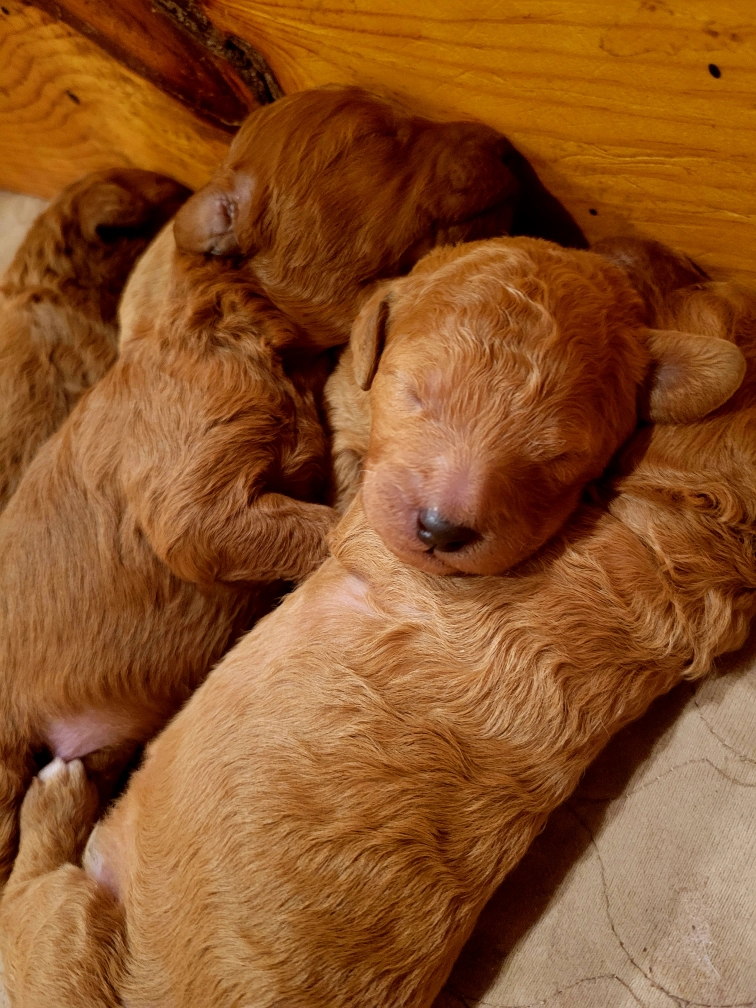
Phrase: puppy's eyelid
(407, 388)
(548, 455)
(413, 396)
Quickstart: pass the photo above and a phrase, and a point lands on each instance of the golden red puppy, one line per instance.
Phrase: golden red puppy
(324, 820)
(58, 300)
(511, 370)
(159, 522)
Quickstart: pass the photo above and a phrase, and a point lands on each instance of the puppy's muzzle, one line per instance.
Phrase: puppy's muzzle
(435, 532)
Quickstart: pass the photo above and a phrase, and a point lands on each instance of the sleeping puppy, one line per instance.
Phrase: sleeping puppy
(158, 523)
(410, 185)
(324, 820)
(58, 301)
(511, 371)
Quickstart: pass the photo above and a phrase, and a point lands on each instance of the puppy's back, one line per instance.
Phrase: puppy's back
(58, 332)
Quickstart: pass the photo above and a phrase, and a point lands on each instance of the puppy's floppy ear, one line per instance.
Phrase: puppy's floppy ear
(209, 221)
(133, 205)
(205, 223)
(369, 335)
(690, 376)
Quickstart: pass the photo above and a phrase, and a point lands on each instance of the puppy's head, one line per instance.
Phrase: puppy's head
(504, 375)
(331, 189)
(118, 208)
(94, 232)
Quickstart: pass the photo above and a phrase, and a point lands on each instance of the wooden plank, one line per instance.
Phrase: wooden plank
(66, 108)
(611, 100)
(150, 45)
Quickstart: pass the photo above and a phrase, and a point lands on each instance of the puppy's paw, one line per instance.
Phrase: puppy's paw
(57, 768)
(322, 522)
(59, 809)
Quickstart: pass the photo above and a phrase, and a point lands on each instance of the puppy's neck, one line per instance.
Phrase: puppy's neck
(223, 299)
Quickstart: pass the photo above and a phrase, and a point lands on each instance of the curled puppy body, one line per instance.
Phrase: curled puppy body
(161, 519)
(654, 270)
(58, 301)
(411, 184)
(676, 292)
(323, 821)
(511, 371)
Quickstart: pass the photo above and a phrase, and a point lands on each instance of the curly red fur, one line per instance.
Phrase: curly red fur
(324, 820)
(161, 519)
(511, 373)
(507, 373)
(58, 299)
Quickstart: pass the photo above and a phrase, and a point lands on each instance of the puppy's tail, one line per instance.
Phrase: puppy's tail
(61, 933)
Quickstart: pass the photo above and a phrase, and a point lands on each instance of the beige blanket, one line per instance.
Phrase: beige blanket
(641, 891)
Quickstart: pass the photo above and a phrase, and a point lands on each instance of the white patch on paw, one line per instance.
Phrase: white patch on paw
(54, 769)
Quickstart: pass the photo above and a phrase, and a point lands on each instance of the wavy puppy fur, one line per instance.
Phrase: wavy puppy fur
(323, 821)
(159, 522)
(503, 376)
(410, 184)
(58, 300)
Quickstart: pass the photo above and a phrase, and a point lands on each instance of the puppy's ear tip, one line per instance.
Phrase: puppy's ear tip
(205, 224)
(363, 376)
(364, 366)
(110, 206)
(693, 376)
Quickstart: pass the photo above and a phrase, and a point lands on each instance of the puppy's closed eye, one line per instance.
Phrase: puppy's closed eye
(405, 389)
(563, 466)
(552, 451)
(411, 397)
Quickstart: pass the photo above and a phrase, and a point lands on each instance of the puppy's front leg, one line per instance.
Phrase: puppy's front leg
(61, 933)
(57, 816)
(271, 538)
(212, 517)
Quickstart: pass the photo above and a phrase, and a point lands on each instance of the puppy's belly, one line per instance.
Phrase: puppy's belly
(77, 735)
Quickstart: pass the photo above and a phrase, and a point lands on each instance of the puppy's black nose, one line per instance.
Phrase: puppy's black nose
(437, 533)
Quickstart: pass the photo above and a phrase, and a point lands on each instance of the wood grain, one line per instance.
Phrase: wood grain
(66, 108)
(612, 101)
(147, 42)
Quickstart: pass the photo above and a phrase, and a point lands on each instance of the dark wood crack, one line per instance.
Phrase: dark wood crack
(243, 57)
(174, 45)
